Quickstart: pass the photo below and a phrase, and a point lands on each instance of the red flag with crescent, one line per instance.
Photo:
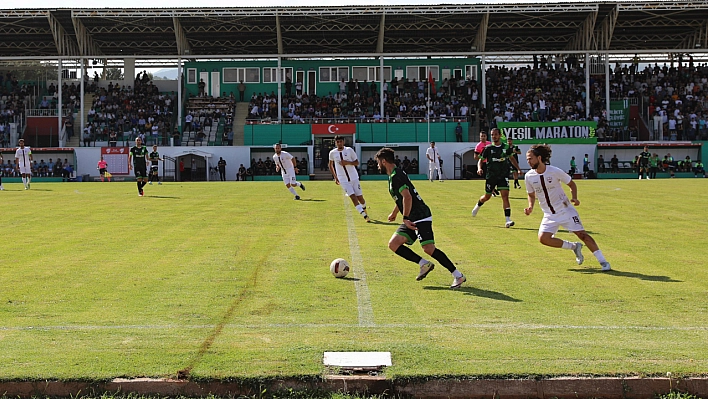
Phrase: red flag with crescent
(334, 128)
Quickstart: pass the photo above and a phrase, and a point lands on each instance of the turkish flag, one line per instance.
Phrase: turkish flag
(431, 81)
(335, 128)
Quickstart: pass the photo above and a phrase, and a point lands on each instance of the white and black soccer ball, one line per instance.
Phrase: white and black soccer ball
(339, 268)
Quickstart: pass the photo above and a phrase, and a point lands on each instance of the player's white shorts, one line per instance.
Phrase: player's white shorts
(289, 178)
(433, 166)
(27, 170)
(351, 187)
(569, 220)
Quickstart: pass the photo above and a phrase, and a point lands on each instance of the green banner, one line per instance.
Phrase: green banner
(619, 114)
(565, 132)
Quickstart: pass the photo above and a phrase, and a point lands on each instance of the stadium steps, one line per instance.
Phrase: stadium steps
(78, 130)
(240, 116)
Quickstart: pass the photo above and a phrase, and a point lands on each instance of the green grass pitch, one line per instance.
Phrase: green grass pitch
(232, 280)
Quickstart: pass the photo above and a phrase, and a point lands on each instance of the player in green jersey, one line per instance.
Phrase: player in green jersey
(417, 221)
(515, 151)
(154, 166)
(497, 155)
(137, 160)
(643, 163)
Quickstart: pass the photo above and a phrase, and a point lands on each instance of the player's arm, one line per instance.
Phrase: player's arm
(532, 200)
(516, 164)
(332, 171)
(130, 160)
(480, 163)
(407, 205)
(294, 164)
(574, 193)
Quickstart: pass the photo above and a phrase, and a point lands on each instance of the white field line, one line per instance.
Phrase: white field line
(315, 326)
(363, 299)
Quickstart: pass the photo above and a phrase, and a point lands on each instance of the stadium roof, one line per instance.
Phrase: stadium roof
(631, 27)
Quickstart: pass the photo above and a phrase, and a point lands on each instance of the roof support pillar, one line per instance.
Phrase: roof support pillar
(86, 44)
(63, 42)
(183, 47)
(583, 39)
(279, 36)
(607, 28)
(380, 42)
(481, 39)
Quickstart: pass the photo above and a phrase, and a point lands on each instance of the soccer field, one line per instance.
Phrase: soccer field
(232, 280)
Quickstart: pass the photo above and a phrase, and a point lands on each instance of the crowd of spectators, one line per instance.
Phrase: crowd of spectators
(205, 114)
(677, 95)
(124, 113)
(40, 169)
(361, 101)
(14, 98)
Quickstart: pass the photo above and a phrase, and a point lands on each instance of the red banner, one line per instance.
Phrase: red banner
(336, 128)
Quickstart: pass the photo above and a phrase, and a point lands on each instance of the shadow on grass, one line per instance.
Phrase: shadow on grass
(311, 200)
(374, 221)
(498, 296)
(645, 277)
(349, 278)
(162, 196)
(536, 230)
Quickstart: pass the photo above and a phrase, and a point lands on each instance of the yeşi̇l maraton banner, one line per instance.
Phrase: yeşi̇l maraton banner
(565, 132)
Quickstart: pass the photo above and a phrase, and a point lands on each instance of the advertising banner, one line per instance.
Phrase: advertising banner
(565, 132)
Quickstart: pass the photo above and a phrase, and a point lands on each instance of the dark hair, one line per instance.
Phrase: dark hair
(338, 137)
(543, 151)
(386, 154)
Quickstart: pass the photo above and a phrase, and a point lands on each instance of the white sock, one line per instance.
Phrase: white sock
(568, 245)
(299, 184)
(476, 207)
(600, 257)
(292, 190)
(359, 208)
(456, 274)
(363, 205)
(24, 181)
(422, 262)
(508, 218)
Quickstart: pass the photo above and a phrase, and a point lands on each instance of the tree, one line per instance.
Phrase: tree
(114, 74)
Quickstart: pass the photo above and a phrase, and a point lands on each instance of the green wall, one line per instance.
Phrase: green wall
(322, 88)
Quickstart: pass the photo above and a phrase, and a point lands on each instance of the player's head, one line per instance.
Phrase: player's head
(432, 144)
(154, 147)
(386, 159)
(646, 148)
(278, 148)
(496, 136)
(482, 136)
(510, 141)
(537, 154)
(138, 141)
(21, 143)
(339, 142)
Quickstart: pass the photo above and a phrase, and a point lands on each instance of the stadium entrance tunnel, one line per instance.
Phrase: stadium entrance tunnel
(194, 165)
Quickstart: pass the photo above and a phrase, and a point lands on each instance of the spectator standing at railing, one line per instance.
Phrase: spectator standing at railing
(241, 91)
(653, 165)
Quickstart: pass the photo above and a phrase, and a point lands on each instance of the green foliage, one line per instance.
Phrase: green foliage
(231, 281)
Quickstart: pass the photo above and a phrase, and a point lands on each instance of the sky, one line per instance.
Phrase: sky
(248, 3)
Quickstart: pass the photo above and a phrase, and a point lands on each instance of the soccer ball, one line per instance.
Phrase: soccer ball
(339, 268)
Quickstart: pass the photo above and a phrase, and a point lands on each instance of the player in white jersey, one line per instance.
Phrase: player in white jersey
(23, 159)
(285, 164)
(433, 156)
(544, 181)
(342, 164)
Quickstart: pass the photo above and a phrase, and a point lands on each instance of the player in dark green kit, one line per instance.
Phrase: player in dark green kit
(417, 221)
(154, 168)
(497, 155)
(137, 160)
(515, 151)
(643, 163)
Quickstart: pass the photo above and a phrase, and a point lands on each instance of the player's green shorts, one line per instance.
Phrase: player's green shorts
(424, 233)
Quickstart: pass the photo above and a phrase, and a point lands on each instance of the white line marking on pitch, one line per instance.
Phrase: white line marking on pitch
(363, 299)
(436, 326)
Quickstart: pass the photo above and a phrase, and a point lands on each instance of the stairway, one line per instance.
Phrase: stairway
(75, 140)
(239, 122)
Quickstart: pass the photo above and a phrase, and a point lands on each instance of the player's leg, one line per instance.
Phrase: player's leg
(102, 175)
(506, 204)
(398, 244)
(291, 183)
(431, 168)
(593, 247)
(427, 241)
(488, 190)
